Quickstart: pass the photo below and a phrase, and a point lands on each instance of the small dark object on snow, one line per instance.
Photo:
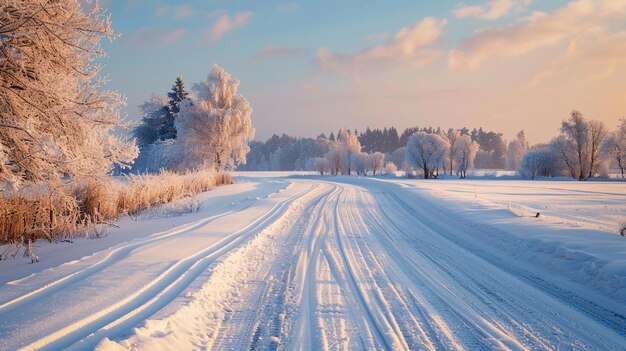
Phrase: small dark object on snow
(622, 231)
(537, 215)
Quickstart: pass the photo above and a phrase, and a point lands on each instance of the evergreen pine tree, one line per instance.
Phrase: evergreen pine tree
(178, 94)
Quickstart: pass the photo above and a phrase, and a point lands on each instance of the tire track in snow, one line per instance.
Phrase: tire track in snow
(509, 308)
(608, 318)
(265, 318)
(157, 293)
(112, 257)
(376, 319)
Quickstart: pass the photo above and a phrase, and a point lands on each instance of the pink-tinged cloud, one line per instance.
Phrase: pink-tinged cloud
(180, 11)
(491, 10)
(581, 18)
(376, 37)
(225, 24)
(271, 52)
(411, 46)
(174, 35)
(148, 37)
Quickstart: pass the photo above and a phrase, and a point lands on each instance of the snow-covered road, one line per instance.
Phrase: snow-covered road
(331, 263)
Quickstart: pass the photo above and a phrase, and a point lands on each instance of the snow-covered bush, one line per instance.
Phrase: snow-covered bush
(360, 161)
(319, 164)
(540, 162)
(426, 152)
(375, 162)
(390, 168)
(156, 156)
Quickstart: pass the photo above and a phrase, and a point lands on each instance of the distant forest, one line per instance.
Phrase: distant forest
(288, 153)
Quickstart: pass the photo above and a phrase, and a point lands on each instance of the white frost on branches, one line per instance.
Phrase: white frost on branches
(614, 147)
(55, 118)
(427, 153)
(465, 154)
(214, 126)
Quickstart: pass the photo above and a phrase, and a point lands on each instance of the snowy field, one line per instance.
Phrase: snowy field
(338, 263)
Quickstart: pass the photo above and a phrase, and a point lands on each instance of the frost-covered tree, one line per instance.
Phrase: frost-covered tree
(337, 157)
(426, 152)
(579, 145)
(465, 154)
(214, 126)
(375, 162)
(352, 146)
(614, 147)
(55, 116)
(154, 112)
(597, 134)
(320, 164)
(359, 161)
(453, 136)
(517, 149)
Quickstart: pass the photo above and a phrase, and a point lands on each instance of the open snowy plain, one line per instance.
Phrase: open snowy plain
(276, 262)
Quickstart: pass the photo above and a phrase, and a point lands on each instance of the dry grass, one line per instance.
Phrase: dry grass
(55, 213)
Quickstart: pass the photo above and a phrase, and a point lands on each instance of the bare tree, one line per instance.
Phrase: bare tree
(321, 165)
(337, 157)
(376, 161)
(614, 147)
(597, 134)
(453, 136)
(579, 145)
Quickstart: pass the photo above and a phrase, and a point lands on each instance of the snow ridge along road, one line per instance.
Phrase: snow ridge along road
(330, 264)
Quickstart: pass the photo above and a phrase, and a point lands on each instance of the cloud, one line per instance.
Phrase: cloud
(216, 13)
(581, 18)
(277, 52)
(180, 11)
(376, 37)
(411, 46)
(586, 57)
(288, 7)
(169, 37)
(491, 10)
(225, 24)
(147, 37)
(306, 87)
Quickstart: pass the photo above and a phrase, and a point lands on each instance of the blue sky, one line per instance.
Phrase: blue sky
(311, 67)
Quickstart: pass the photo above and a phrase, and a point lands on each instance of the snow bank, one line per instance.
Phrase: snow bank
(575, 236)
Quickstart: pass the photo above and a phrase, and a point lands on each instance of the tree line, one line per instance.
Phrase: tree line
(583, 149)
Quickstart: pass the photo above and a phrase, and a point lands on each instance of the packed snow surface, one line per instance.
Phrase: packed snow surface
(279, 262)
